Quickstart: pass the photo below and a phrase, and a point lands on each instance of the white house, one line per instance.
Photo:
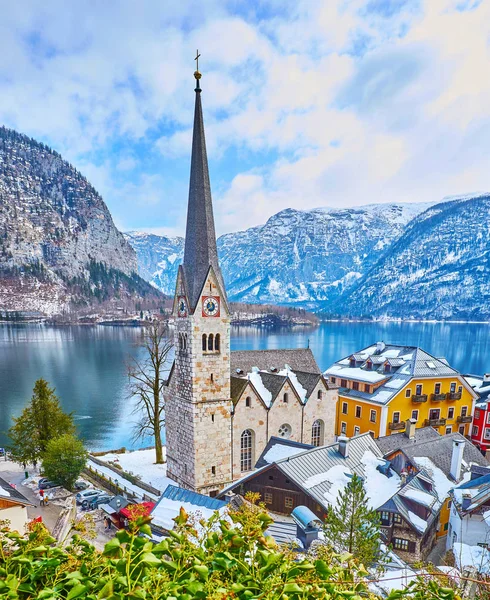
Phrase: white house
(13, 507)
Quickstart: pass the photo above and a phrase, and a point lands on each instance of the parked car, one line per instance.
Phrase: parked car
(81, 485)
(87, 495)
(46, 484)
(97, 501)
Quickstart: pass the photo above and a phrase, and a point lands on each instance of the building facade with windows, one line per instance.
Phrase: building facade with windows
(222, 406)
(383, 386)
(480, 430)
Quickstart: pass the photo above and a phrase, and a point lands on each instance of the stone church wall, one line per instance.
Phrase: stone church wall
(324, 409)
(254, 418)
(289, 412)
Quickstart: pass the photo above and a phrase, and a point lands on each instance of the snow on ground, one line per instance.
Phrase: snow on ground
(379, 488)
(135, 489)
(256, 380)
(420, 497)
(279, 451)
(471, 556)
(419, 523)
(142, 463)
(394, 579)
(441, 482)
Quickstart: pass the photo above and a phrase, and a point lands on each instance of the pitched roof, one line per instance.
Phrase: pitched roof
(317, 471)
(238, 384)
(299, 359)
(174, 492)
(278, 448)
(12, 493)
(429, 443)
(405, 362)
(200, 251)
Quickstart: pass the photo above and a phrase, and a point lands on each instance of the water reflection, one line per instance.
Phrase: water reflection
(87, 365)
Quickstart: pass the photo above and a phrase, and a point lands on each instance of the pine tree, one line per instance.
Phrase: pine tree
(351, 526)
(41, 421)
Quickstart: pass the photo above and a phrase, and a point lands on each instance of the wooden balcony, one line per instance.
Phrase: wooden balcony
(454, 396)
(419, 398)
(396, 426)
(438, 397)
(466, 419)
(435, 422)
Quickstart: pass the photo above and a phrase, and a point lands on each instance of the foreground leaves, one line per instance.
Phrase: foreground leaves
(217, 560)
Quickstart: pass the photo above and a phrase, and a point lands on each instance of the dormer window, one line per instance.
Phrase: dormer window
(387, 368)
(352, 362)
(369, 365)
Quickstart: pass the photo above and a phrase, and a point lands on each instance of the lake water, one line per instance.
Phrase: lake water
(87, 365)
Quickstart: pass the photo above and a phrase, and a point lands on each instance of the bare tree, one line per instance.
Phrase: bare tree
(147, 378)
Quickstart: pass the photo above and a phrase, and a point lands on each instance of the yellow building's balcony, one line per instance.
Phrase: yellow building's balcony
(454, 396)
(438, 397)
(466, 419)
(435, 422)
(419, 398)
(396, 426)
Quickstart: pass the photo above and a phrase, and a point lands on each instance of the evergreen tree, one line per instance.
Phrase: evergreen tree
(41, 421)
(64, 460)
(351, 526)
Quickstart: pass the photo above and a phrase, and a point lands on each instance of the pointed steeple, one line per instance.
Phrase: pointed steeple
(200, 238)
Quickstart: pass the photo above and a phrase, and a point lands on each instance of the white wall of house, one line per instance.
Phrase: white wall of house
(471, 530)
(17, 515)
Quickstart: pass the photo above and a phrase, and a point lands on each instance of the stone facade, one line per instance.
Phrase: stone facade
(321, 408)
(198, 408)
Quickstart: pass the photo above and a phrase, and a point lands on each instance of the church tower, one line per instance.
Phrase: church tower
(198, 406)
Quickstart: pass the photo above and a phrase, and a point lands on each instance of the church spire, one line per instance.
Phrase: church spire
(200, 238)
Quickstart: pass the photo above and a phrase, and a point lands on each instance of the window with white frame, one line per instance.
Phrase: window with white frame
(477, 413)
(418, 390)
(358, 412)
(464, 411)
(415, 415)
(357, 430)
(343, 428)
(486, 434)
(488, 417)
(372, 416)
(449, 430)
(396, 417)
(246, 450)
(344, 408)
(450, 413)
(452, 388)
(437, 388)
(400, 544)
(408, 393)
(475, 430)
(317, 433)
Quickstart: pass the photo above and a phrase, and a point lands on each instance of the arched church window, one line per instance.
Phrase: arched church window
(246, 450)
(210, 342)
(317, 433)
(204, 342)
(216, 342)
(319, 394)
(248, 402)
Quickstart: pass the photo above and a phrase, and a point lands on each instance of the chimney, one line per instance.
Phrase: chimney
(457, 459)
(343, 446)
(466, 501)
(410, 428)
(380, 346)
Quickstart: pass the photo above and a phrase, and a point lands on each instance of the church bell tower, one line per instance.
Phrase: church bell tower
(198, 405)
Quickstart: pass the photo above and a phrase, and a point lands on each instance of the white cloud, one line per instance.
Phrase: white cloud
(306, 103)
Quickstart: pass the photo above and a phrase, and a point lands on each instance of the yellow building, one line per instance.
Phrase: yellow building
(382, 386)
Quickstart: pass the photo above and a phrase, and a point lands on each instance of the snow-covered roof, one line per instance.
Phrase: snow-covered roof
(405, 362)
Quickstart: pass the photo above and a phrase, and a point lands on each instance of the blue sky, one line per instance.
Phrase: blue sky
(307, 103)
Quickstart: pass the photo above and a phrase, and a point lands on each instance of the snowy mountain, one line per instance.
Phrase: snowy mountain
(59, 248)
(159, 258)
(297, 257)
(438, 268)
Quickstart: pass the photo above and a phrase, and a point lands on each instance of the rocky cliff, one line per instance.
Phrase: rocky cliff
(59, 248)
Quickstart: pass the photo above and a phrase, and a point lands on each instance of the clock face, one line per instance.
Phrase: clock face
(210, 306)
(181, 306)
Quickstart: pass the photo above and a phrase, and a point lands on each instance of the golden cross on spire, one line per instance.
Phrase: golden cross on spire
(197, 75)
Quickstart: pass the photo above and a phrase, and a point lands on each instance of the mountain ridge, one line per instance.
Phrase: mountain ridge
(54, 229)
